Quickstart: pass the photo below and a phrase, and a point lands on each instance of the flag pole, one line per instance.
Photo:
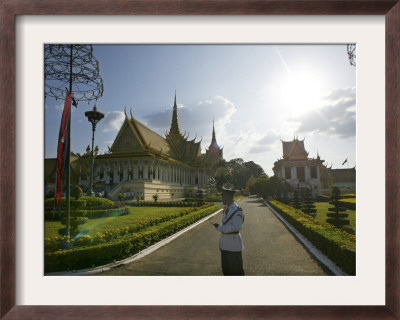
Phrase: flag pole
(68, 195)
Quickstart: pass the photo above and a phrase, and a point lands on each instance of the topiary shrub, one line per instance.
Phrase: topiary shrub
(308, 205)
(74, 204)
(77, 218)
(337, 218)
(155, 197)
(296, 200)
(97, 202)
(76, 192)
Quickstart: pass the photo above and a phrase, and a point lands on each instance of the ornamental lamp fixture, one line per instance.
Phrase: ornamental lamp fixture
(94, 117)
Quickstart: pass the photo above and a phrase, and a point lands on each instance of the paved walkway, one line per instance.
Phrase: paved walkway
(270, 250)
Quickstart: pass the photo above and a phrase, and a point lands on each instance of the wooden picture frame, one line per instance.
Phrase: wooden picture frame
(9, 9)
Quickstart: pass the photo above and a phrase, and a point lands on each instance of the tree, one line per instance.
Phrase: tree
(155, 197)
(285, 198)
(351, 53)
(308, 205)
(241, 172)
(269, 186)
(250, 185)
(76, 192)
(138, 197)
(219, 175)
(261, 186)
(238, 173)
(235, 171)
(253, 169)
(326, 178)
(337, 217)
(296, 203)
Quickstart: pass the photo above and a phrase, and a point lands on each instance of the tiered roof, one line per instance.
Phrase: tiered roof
(183, 149)
(214, 151)
(135, 138)
(294, 150)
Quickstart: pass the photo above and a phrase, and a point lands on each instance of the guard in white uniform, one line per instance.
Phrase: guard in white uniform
(230, 241)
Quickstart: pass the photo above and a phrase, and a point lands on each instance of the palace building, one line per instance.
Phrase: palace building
(344, 179)
(297, 169)
(141, 161)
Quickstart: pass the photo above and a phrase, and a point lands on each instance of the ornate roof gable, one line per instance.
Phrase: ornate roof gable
(183, 149)
(294, 150)
(134, 137)
(128, 139)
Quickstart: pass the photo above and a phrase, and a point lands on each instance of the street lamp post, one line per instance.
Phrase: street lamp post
(94, 117)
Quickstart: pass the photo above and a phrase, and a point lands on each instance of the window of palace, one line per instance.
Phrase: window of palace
(301, 174)
(288, 173)
(313, 171)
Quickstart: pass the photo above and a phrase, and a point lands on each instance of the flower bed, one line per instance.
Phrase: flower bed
(338, 245)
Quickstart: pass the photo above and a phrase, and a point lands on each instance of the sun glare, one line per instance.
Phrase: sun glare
(302, 92)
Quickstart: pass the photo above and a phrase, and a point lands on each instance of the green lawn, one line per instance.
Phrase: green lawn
(322, 210)
(102, 224)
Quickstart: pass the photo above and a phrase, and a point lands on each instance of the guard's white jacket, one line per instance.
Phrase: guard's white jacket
(230, 239)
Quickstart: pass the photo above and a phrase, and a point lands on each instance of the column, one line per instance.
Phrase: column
(145, 171)
(125, 175)
(307, 174)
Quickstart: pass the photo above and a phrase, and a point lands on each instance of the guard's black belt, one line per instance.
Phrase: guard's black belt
(236, 232)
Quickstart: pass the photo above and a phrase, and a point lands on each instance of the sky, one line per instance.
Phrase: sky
(257, 95)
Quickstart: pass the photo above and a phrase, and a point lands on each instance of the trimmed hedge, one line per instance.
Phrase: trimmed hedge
(348, 204)
(48, 215)
(164, 204)
(84, 202)
(56, 243)
(119, 248)
(74, 204)
(338, 245)
(97, 202)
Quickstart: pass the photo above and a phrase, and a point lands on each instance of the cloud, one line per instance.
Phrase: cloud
(113, 121)
(336, 118)
(196, 120)
(265, 142)
(59, 107)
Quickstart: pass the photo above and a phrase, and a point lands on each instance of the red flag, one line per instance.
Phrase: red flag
(62, 149)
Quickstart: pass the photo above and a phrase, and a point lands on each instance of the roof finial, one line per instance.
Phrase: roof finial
(213, 133)
(175, 99)
(174, 124)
